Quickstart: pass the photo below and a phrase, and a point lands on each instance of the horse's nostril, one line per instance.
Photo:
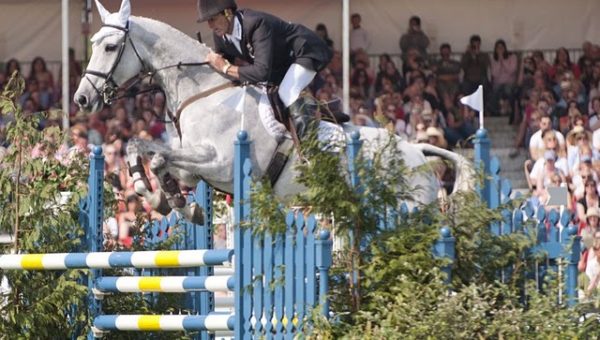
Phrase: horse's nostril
(82, 100)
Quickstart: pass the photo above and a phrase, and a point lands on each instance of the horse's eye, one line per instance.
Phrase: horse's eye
(110, 48)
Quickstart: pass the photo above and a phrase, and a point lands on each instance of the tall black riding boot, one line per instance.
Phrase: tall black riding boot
(303, 115)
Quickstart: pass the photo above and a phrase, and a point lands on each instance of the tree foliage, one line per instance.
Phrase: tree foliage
(53, 304)
(402, 293)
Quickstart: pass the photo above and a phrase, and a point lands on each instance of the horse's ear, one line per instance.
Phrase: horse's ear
(125, 11)
(103, 12)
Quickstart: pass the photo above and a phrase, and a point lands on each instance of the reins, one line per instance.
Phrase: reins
(109, 89)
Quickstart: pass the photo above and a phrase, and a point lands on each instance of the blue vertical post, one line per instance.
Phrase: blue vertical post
(572, 260)
(482, 163)
(94, 232)
(445, 247)
(241, 183)
(352, 150)
(324, 259)
(204, 301)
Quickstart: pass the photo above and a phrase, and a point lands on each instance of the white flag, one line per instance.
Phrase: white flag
(475, 101)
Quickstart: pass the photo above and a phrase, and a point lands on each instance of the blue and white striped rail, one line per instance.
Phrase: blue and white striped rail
(212, 322)
(140, 259)
(165, 284)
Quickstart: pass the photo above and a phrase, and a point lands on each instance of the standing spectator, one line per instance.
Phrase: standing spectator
(504, 77)
(321, 31)
(414, 38)
(359, 37)
(448, 72)
(475, 65)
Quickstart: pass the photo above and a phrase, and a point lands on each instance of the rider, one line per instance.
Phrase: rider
(256, 47)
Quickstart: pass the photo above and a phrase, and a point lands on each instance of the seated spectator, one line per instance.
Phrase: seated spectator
(562, 63)
(580, 175)
(536, 142)
(220, 236)
(550, 144)
(543, 177)
(589, 200)
(594, 115)
(540, 63)
(390, 72)
(360, 81)
(115, 164)
(435, 136)
(589, 264)
(40, 72)
(590, 227)
(127, 220)
(12, 66)
(578, 144)
(543, 195)
(364, 117)
(460, 122)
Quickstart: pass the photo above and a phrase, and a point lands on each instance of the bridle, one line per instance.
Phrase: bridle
(109, 89)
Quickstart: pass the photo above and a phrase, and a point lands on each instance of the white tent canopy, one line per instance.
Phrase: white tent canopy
(33, 27)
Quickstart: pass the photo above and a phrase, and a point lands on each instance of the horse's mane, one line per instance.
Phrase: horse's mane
(175, 33)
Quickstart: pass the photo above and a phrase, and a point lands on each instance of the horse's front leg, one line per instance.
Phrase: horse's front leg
(174, 197)
(137, 151)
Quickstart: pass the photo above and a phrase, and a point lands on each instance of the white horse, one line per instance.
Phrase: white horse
(127, 45)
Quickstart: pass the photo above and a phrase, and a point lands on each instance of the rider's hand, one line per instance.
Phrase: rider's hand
(216, 60)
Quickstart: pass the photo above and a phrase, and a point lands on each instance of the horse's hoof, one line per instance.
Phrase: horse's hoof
(158, 201)
(177, 201)
(194, 214)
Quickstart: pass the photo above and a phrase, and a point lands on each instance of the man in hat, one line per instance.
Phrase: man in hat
(259, 48)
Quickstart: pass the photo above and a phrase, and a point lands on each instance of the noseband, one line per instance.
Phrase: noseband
(109, 89)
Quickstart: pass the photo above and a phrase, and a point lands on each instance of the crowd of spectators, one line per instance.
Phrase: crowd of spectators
(554, 105)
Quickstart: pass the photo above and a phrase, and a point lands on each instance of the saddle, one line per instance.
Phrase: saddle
(330, 111)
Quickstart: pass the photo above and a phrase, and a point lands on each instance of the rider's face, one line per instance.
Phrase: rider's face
(219, 24)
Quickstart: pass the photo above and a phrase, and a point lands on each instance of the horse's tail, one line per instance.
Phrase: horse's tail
(465, 172)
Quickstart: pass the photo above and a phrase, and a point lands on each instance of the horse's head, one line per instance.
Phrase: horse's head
(114, 60)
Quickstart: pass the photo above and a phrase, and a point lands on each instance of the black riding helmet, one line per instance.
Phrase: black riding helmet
(209, 8)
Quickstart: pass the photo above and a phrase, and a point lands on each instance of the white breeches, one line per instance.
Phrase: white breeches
(296, 79)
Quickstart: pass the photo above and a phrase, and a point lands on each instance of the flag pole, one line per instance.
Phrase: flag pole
(481, 111)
